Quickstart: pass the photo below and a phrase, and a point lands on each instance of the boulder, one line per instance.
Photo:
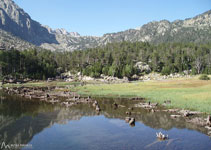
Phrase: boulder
(142, 67)
(135, 77)
(161, 136)
(132, 121)
(187, 113)
(86, 78)
(69, 79)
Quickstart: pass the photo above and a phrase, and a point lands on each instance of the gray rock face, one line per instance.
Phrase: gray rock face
(15, 21)
(8, 41)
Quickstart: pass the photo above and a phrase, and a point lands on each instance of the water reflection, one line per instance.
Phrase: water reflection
(35, 122)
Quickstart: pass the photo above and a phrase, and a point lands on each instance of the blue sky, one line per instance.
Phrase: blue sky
(97, 17)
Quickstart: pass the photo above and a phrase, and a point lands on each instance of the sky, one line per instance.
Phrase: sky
(97, 17)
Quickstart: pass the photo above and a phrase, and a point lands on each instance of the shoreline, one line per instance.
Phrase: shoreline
(67, 98)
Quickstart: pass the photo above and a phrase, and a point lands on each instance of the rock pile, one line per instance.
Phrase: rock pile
(45, 94)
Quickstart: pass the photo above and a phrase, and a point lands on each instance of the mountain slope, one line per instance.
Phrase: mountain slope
(15, 21)
(8, 41)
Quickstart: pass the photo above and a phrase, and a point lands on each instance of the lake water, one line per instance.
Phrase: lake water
(47, 127)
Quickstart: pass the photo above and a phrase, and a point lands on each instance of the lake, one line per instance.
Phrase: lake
(40, 126)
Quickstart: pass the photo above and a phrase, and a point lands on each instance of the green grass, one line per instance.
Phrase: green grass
(192, 94)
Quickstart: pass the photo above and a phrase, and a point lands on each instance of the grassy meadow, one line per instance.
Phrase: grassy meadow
(192, 94)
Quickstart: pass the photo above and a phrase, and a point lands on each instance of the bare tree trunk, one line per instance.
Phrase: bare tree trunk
(198, 64)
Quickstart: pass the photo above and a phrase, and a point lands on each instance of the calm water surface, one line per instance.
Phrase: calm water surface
(47, 127)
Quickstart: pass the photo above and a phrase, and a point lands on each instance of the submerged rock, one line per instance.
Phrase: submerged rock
(161, 136)
(132, 121)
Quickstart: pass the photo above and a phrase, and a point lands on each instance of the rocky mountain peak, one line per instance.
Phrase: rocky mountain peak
(18, 23)
(13, 19)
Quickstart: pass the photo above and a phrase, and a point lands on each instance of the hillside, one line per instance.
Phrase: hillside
(17, 22)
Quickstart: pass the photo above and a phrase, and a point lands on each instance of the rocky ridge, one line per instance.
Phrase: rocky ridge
(14, 20)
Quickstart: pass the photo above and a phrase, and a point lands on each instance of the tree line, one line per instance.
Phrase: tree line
(115, 59)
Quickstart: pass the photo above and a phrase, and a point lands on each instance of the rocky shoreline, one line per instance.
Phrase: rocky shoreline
(194, 117)
(66, 98)
(51, 95)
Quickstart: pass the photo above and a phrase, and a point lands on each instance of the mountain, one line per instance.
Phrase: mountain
(19, 24)
(8, 41)
(14, 20)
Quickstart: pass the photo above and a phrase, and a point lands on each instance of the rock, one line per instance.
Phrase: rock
(135, 77)
(95, 104)
(125, 79)
(142, 67)
(207, 127)
(132, 121)
(98, 108)
(115, 105)
(171, 110)
(47, 95)
(69, 80)
(187, 113)
(128, 113)
(161, 136)
(154, 104)
(50, 79)
(86, 78)
(208, 120)
(130, 108)
(121, 106)
(175, 116)
(148, 105)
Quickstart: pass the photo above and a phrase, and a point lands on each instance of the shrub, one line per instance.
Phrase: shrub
(166, 71)
(204, 77)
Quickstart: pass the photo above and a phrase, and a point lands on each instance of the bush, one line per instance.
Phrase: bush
(204, 77)
(166, 71)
